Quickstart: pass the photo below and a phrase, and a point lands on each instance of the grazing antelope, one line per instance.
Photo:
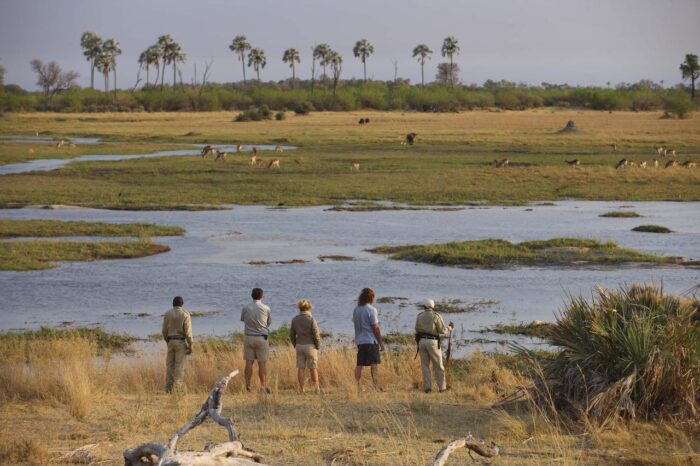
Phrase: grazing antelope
(659, 150)
(207, 150)
(410, 137)
(574, 163)
(355, 166)
(220, 155)
(671, 152)
(621, 163)
(238, 147)
(671, 164)
(501, 163)
(656, 163)
(690, 164)
(60, 144)
(632, 163)
(279, 149)
(643, 164)
(366, 121)
(274, 163)
(255, 151)
(253, 160)
(613, 146)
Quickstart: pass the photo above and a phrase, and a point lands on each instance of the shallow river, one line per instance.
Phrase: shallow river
(209, 266)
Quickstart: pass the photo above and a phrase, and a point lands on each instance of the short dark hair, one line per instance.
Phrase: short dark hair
(178, 301)
(257, 293)
(366, 297)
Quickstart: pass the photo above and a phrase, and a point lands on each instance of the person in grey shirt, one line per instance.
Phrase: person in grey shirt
(257, 319)
(368, 337)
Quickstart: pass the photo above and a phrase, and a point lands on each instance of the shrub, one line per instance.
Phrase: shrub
(279, 116)
(630, 352)
(303, 108)
(255, 114)
(679, 103)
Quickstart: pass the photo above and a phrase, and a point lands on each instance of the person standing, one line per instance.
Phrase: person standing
(306, 339)
(429, 328)
(177, 333)
(368, 337)
(257, 319)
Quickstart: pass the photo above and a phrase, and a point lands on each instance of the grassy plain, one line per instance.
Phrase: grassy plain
(451, 163)
(56, 395)
(53, 228)
(501, 253)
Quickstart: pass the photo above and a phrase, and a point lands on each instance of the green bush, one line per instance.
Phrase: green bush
(303, 108)
(679, 104)
(279, 116)
(632, 352)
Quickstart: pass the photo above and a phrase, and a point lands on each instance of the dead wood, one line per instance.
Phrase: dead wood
(477, 446)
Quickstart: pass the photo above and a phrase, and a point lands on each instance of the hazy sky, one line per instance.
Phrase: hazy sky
(578, 42)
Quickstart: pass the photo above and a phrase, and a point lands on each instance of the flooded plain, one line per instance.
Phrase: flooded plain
(210, 266)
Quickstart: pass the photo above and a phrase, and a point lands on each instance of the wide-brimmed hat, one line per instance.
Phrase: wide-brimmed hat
(428, 304)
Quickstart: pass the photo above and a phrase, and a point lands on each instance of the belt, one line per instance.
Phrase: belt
(428, 337)
(175, 338)
(263, 336)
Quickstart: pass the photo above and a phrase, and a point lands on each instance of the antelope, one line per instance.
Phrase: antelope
(238, 148)
(355, 166)
(643, 164)
(361, 122)
(671, 152)
(31, 151)
(220, 155)
(274, 163)
(60, 144)
(253, 160)
(410, 137)
(366, 121)
(656, 163)
(632, 163)
(671, 164)
(501, 163)
(207, 150)
(255, 151)
(279, 149)
(621, 163)
(574, 163)
(660, 150)
(690, 164)
(614, 147)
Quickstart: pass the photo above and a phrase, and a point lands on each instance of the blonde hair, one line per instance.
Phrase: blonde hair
(304, 305)
(366, 297)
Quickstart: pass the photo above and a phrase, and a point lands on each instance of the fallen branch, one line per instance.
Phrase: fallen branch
(229, 453)
(477, 446)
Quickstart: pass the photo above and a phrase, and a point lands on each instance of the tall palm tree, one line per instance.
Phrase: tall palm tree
(113, 50)
(450, 48)
(103, 63)
(291, 56)
(256, 59)
(149, 57)
(175, 56)
(240, 45)
(92, 47)
(422, 51)
(362, 50)
(321, 52)
(335, 60)
(164, 44)
(691, 70)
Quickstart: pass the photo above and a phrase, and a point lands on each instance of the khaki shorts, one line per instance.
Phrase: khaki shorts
(307, 357)
(255, 348)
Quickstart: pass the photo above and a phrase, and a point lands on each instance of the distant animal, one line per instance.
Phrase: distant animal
(574, 163)
(671, 164)
(60, 144)
(207, 150)
(621, 163)
(255, 151)
(366, 121)
(253, 160)
(410, 138)
(361, 122)
(279, 149)
(690, 164)
(274, 163)
(643, 164)
(671, 152)
(238, 147)
(659, 150)
(31, 151)
(656, 163)
(614, 147)
(298, 161)
(501, 163)
(632, 163)
(355, 166)
(220, 155)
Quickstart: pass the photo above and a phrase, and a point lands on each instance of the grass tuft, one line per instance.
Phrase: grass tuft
(652, 229)
(620, 214)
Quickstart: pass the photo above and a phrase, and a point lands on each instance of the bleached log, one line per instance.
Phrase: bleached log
(229, 453)
(477, 446)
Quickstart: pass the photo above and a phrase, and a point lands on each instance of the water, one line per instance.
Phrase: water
(209, 267)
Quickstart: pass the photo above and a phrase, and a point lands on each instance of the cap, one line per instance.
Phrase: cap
(428, 304)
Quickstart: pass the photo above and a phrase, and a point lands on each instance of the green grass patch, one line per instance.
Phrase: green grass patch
(41, 254)
(501, 253)
(397, 338)
(620, 214)
(533, 329)
(652, 229)
(55, 228)
(105, 340)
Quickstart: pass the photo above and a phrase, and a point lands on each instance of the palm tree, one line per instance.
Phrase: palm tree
(164, 45)
(113, 50)
(256, 59)
(450, 48)
(691, 70)
(240, 45)
(103, 63)
(175, 56)
(150, 56)
(336, 62)
(422, 52)
(362, 50)
(291, 56)
(321, 54)
(92, 47)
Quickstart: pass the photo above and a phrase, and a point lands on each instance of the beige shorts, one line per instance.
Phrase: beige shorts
(255, 348)
(307, 357)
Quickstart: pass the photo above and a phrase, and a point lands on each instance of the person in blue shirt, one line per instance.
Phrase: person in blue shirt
(368, 337)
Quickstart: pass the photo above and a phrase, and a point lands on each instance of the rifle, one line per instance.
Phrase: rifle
(448, 357)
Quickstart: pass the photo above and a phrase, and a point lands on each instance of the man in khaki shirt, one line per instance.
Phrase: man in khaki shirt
(257, 319)
(177, 333)
(429, 328)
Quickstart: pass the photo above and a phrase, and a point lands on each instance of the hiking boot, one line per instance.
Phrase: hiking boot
(428, 390)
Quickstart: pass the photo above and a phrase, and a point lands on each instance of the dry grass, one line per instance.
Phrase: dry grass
(61, 389)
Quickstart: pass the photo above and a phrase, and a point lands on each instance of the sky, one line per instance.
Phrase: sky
(579, 42)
